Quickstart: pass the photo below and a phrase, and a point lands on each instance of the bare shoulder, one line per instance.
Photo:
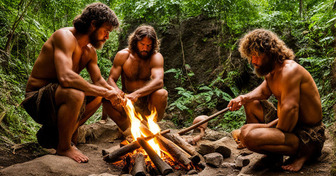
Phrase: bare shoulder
(121, 56)
(157, 59)
(294, 71)
(64, 37)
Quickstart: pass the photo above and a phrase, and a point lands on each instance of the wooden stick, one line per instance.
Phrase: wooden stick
(183, 131)
(139, 167)
(175, 151)
(116, 154)
(177, 139)
(162, 166)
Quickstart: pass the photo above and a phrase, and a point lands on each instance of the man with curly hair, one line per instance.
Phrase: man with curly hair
(141, 69)
(295, 127)
(56, 95)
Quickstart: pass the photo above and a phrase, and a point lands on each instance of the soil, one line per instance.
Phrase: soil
(31, 159)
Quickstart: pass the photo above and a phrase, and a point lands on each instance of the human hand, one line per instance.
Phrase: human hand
(133, 97)
(236, 103)
(116, 97)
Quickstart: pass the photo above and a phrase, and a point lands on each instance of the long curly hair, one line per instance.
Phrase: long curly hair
(99, 12)
(264, 41)
(141, 32)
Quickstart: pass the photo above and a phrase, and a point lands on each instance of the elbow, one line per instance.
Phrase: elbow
(160, 84)
(64, 81)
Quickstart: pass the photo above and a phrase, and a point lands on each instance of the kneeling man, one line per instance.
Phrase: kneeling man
(141, 69)
(295, 128)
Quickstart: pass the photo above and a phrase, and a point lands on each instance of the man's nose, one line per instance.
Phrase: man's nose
(107, 36)
(145, 47)
(254, 60)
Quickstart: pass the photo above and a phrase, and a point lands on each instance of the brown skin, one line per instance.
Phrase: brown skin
(63, 56)
(298, 103)
(139, 76)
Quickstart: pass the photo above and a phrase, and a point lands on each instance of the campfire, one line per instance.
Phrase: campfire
(151, 150)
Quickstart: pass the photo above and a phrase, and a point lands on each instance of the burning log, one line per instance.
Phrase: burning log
(162, 166)
(116, 154)
(139, 167)
(176, 138)
(175, 151)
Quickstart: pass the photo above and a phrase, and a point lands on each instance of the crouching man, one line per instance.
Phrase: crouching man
(295, 127)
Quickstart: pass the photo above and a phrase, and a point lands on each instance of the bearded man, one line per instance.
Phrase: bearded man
(295, 128)
(56, 95)
(141, 69)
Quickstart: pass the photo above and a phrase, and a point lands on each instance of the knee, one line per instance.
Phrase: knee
(251, 106)
(251, 139)
(160, 94)
(106, 103)
(74, 96)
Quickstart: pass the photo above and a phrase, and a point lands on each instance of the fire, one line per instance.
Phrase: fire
(136, 120)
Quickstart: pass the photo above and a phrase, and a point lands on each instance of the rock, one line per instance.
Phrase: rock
(212, 135)
(192, 172)
(228, 165)
(214, 159)
(205, 148)
(226, 152)
(98, 132)
(166, 124)
(241, 161)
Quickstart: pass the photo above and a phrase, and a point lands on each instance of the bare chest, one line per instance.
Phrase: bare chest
(80, 59)
(275, 87)
(135, 70)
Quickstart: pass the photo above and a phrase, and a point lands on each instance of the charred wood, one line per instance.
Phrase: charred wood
(162, 166)
(139, 167)
(175, 151)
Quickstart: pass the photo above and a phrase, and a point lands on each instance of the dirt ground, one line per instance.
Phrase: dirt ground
(31, 159)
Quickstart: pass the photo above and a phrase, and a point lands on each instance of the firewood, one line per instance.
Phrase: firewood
(162, 166)
(175, 151)
(116, 154)
(139, 167)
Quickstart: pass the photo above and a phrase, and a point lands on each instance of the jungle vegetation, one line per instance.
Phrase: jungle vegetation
(27, 24)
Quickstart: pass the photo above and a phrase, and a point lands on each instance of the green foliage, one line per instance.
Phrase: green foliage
(311, 34)
(320, 69)
(231, 120)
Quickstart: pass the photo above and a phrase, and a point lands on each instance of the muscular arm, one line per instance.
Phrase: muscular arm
(64, 47)
(94, 71)
(116, 69)
(288, 112)
(262, 92)
(156, 82)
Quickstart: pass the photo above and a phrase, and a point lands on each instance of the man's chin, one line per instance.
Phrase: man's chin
(259, 74)
(98, 47)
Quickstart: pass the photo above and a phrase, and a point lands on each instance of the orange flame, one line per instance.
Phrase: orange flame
(136, 119)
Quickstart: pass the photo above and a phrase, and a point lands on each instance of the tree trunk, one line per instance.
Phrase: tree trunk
(15, 25)
(301, 7)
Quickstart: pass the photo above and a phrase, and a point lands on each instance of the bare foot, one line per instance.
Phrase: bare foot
(296, 165)
(74, 154)
(102, 121)
(236, 134)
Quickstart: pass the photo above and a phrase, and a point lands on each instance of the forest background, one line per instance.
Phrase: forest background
(307, 26)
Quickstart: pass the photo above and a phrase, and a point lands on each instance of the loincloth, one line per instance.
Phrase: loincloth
(41, 106)
(310, 137)
(269, 111)
(141, 106)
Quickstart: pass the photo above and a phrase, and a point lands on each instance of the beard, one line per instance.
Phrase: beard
(95, 42)
(144, 54)
(265, 68)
